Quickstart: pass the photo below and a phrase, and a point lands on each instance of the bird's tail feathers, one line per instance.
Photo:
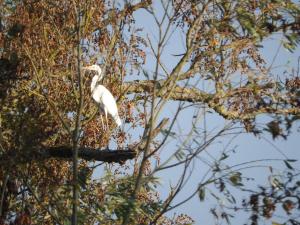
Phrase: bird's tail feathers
(118, 120)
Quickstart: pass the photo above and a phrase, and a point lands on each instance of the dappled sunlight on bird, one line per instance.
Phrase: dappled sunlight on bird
(103, 97)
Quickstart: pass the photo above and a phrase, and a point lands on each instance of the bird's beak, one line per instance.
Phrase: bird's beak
(85, 68)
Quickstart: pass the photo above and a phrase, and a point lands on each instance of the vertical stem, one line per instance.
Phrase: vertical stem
(76, 133)
(3, 193)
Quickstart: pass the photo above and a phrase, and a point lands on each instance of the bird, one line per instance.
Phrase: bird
(103, 97)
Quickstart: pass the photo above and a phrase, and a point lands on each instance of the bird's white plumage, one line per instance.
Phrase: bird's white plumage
(107, 102)
(103, 96)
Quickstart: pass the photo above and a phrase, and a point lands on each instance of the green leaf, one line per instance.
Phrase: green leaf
(179, 155)
(215, 196)
(288, 165)
(291, 160)
(290, 47)
(201, 194)
(236, 179)
(276, 183)
(224, 156)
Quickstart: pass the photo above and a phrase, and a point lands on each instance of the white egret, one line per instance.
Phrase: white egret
(103, 96)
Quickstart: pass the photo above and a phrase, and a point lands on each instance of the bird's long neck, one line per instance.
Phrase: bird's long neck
(94, 82)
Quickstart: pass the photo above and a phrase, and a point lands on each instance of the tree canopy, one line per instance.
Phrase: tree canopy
(52, 146)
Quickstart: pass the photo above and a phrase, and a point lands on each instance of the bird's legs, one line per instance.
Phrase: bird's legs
(105, 112)
(102, 122)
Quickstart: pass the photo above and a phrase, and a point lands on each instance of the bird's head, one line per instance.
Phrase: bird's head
(94, 68)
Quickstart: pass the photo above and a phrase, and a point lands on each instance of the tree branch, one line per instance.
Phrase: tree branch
(86, 153)
(178, 93)
(65, 152)
(214, 101)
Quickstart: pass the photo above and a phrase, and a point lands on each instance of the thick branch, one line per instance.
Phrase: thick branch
(213, 100)
(90, 154)
(235, 115)
(178, 93)
(65, 152)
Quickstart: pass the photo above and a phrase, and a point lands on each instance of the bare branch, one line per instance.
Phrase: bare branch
(65, 152)
(86, 153)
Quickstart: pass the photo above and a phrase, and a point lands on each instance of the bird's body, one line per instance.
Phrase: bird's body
(107, 102)
(102, 95)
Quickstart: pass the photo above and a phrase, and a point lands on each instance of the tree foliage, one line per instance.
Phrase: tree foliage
(47, 112)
